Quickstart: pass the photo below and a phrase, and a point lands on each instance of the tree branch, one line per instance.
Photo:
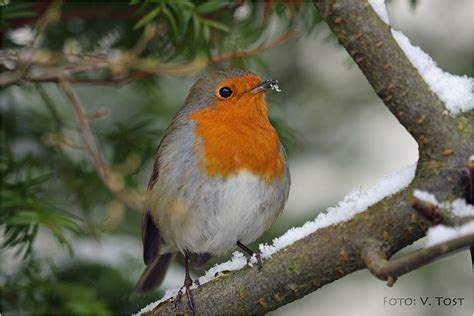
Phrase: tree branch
(384, 269)
(471, 179)
(330, 253)
(395, 80)
(429, 211)
(111, 179)
(83, 124)
(122, 67)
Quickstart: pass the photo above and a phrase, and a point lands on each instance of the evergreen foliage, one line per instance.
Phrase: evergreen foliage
(50, 185)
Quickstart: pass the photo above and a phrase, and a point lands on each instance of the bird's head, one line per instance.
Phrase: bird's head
(231, 90)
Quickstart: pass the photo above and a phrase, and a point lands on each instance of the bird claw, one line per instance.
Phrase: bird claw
(250, 254)
(259, 261)
(188, 282)
(177, 299)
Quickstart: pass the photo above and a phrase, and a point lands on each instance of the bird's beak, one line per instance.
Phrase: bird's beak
(265, 86)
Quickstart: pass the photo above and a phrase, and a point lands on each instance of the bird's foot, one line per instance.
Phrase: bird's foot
(188, 282)
(251, 253)
(259, 261)
(258, 258)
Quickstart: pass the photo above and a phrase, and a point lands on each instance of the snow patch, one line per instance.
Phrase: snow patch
(458, 207)
(237, 262)
(381, 9)
(425, 197)
(441, 233)
(169, 294)
(457, 92)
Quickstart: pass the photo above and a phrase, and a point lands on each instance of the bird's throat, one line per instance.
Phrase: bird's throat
(236, 139)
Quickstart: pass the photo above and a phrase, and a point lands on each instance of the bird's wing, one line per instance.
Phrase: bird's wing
(150, 232)
(151, 239)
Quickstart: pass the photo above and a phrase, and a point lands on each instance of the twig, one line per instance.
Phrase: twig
(471, 198)
(437, 214)
(124, 66)
(51, 107)
(112, 180)
(84, 128)
(471, 177)
(51, 66)
(384, 269)
(242, 54)
(428, 210)
(50, 17)
(150, 32)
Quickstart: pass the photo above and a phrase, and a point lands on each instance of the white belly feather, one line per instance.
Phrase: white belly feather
(214, 215)
(243, 208)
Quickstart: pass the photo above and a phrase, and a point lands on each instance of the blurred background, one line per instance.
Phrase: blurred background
(71, 241)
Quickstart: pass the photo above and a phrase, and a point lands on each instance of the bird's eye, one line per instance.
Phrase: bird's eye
(225, 92)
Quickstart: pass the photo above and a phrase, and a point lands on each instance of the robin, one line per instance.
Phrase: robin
(220, 177)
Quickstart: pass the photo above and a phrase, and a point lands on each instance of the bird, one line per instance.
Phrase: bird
(220, 177)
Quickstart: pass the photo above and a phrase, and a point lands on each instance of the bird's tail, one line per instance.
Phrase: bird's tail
(154, 274)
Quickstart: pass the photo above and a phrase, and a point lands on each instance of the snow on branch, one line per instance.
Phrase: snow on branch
(459, 207)
(353, 203)
(441, 233)
(381, 9)
(432, 208)
(457, 92)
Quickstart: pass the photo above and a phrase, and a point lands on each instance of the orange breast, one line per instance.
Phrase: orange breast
(239, 136)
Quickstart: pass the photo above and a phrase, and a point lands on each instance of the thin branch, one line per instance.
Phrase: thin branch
(49, 103)
(384, 269)
(428, 210)
(51, 66)
(50, 17)
(243, 54)
(123, 66)
(112, 180)
(83, 124)
(150, 32)
(393, 77)
(471, 198)
(436, 214)
(471, 179)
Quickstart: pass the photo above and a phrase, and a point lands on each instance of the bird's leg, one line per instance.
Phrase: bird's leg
(188, 282)
(251, 253)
